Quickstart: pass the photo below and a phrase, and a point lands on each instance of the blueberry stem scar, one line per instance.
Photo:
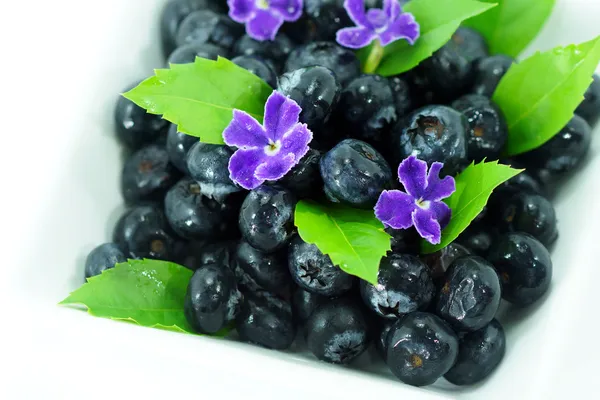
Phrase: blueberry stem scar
(375, 56)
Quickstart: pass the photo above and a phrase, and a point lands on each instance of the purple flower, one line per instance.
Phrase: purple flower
(268, 151)
(388, 25)
(421, 205)
(263, 18)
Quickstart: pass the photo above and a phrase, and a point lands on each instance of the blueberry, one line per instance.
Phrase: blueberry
(266, 321)
(143, 232)
(404, 241)
(208, 165)
(212, 300)
(381, 343)
(222, 253)
(487, 131)
(147, 175)
(304, 303)
(402, 95)
(524, 267)
(269, 271)
(267, 218)
(187, 53)
(432, 133)
(326, 54)
(178, 144)
(421, 348)
(404, 285)
(524, 182)
(135, 127)
(367, 108)
(314, 271)
(275, 51)
(102, 258)
(477, 238)
(322, 19)
(470, 296)
(354, 173)
(565, 151)
(315, 89)
(258, 67)
(304, 180)
(480, 352)
(589, 109)
(529, 213)
(488, 72)
(205, 26)
(337, 332)
(440, 261)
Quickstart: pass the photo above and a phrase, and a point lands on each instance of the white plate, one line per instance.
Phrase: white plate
(67, 60)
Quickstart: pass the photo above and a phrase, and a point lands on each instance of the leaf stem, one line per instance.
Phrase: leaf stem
(374, 57)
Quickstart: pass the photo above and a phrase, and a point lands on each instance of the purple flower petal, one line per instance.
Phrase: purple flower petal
(355, 38)
(281, 114)
(438, 189)
(275, 168)
(290, 10)
(377, 18)
(412, 173)
(243, 165)
(395, 208)
(296, 141)
(392, 9)
(442, 213)
(245, 132)
(405, 27)
(356, 12)
(241, 10)
(264, 25)
(427, 226)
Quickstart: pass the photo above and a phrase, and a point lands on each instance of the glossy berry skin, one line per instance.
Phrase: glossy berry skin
(440, 261)
(367, 108)
(421, 348)
(404, 285)
(222, 253)
(404, 241)
(480, 352)
(266, 321)
(565, 151)
(530, 213)
(314, 271)
(258, 67)
(478, 238)
(134, 127)
(471, 294)
(524, 267)
(208, 165)
(589, 109)
(147, 175)
(205, 26)
(487, 131)
(212, 300)
(337, 332)
(187, 53)
(341, 61)
(321, 20)
(381, 342)
(304, 180)
(432, 133)
(143, 232)
(354, 173)
(102, 258)
(402, 95)
(488, 72)
(315, 89)
(274, 51)
(267, 218)
(304, 303)
(178, 144)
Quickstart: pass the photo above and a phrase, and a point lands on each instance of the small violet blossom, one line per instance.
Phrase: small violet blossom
(268, 151)
(421, 205)
(387, 25)
(263, 18)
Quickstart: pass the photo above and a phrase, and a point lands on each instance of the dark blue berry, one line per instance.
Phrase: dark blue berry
(478, 238)
(222, 253)
(337, 332)
(304, 303)
(212, 300)
(274, 51)
(208, 165)
(147, 175)
(102, 258)
(205, 26)
(421, 348)
(589, 109)
(404, 285)
(178, 144)
(314, 271)
(258, 67)
(267, 218)
(524, 267)
(187, 53)
(479, 354)
(321, 20)
(471, 295)
(304, 180)
(488, 72)
(440, 261)
(404, 241)
(402, 95)
(341, 61)
(354, 173)
(381, 342)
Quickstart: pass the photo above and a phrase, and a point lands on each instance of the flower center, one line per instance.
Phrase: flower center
(262, 4)
(424, 204)
(378, 18)
(272, 148)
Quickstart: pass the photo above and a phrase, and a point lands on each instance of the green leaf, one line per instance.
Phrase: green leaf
(473, 189)
(147, 292)
(200, 97)
(439, 19)
(354, 239)
(512, 25)
(539, 95)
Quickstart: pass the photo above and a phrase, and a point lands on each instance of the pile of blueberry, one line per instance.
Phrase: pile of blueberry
(430, 315)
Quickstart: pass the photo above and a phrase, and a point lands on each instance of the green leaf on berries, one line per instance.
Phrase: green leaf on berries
(539, 95)
(438, 19)
(354, 239)
(512, 25)
(474, 187)
(200, 97)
